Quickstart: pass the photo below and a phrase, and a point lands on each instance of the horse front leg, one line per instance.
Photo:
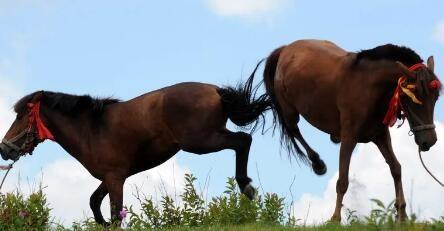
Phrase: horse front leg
(347, 146)
(115, 188)
(385, 146)
(95, 202)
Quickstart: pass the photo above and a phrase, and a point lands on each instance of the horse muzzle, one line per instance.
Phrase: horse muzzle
(3, 152)
(425, 139)
(8, 153)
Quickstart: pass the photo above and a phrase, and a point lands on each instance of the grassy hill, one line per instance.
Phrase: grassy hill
(229, 211)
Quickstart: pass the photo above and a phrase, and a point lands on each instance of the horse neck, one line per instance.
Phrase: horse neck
(68, 131)
(383, 76)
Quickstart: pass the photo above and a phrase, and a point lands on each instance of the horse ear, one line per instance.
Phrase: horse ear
(37, 97)
(431, 64)
(405, 69)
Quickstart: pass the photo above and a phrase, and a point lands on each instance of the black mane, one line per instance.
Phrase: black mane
(390, 52)
(71, 105)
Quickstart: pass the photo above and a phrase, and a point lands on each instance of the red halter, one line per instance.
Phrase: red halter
(43, 132)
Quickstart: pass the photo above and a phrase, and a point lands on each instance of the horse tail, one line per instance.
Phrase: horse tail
(241, 104)
(288, 141)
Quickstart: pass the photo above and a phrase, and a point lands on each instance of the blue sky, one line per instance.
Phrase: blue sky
(111, 48)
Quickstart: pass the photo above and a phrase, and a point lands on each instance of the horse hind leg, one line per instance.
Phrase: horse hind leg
(317, 163)
(240, 142)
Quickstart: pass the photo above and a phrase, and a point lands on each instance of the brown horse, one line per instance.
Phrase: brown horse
(354, 97)
(114, 140)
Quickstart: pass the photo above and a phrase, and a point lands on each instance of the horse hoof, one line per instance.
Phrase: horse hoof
(335, 219)
(249, 191)
(401, 218)
(319, 167)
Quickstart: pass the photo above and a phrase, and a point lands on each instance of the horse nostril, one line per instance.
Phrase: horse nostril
(425, 146)
(2, 153)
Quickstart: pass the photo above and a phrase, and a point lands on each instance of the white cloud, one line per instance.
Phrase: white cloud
(6, 114)
(244, 8)
(9, 92)
(12, 71)
(68, 187)
(370, 178)
(439, 32)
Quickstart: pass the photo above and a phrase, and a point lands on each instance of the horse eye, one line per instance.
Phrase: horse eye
(19, 117)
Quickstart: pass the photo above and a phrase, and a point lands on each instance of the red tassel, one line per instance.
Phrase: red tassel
(43, 132)
(393, 110)
(395, 107)
(434, 84)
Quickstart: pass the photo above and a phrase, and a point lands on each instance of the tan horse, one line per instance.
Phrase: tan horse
(354, 97)
(114, 140)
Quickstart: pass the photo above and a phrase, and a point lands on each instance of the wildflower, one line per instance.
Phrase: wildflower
(122, 214)
(23, 214)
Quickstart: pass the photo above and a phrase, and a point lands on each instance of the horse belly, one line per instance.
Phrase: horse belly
(322, 114)
(314, 98)
(154, 153)
(306, 79)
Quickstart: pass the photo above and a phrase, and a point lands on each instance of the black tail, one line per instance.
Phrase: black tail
(241, 104)
(287, 140)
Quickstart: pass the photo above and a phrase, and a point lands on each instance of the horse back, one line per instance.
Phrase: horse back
(171, 108)
(318, 58)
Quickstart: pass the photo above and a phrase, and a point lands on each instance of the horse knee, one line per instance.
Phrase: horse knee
(245, 137)
(395, 169)
(341, 186)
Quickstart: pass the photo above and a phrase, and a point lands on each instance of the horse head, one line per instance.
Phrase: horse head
(27, 131)
(419, 91)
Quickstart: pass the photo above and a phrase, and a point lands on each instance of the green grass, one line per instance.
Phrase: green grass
(229, 211)
(325, 227)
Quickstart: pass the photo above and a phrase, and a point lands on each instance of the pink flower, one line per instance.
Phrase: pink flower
(122, 214)
(23, 214)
